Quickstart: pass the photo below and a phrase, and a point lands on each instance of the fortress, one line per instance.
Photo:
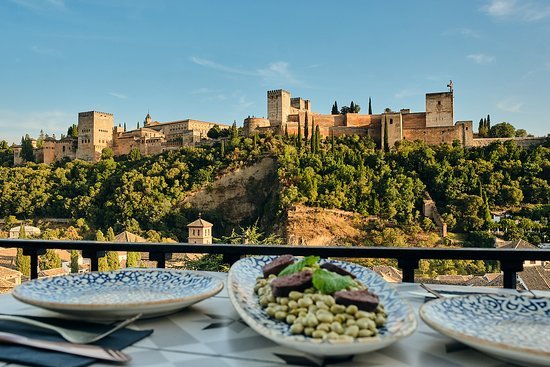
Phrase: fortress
(97, 131)
(434, 126)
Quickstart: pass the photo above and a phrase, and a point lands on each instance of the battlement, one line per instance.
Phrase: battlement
(276, 92)
(91, 113)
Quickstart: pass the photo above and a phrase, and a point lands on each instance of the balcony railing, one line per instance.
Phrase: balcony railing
(511, 260)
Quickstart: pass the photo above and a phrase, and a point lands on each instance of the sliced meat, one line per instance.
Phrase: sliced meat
(363, 299)
(277, 265)
(336, 269)
(282, 286)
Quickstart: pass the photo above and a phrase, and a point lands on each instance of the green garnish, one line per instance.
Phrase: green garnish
(328, 282)
(299, 265)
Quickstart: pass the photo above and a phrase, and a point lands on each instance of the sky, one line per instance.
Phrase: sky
(214, 60)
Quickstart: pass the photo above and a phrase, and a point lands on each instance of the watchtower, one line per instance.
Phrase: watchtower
(439, 109)
(95, 132)
(278, 108)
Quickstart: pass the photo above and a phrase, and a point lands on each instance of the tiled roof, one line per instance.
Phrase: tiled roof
(200, 223)
(389, 273)
(128, 237)
(52, 272)
(536, 278)
(518, 244)
(8, 273)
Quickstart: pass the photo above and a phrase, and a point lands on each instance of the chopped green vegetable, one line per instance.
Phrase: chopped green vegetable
(328, 282)
(299, 265)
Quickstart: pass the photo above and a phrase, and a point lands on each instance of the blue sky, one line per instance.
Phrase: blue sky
(215, 60)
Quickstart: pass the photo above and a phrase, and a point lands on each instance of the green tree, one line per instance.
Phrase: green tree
(134, 155)
(107, 153)
(370, 107)
(502, 130)
(72, 131)
(23, 263)
(317, 139)
(306, 128)
(335, 109)
(74, 261)
(214, 132)
(110, 236)
(113, 262)
(521, 133)
(133, 259)
(50, 260)
(27, 150)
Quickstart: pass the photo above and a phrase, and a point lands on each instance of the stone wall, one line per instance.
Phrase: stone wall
(524, 142)
(415, 120)
(94, 134)
(439, 109)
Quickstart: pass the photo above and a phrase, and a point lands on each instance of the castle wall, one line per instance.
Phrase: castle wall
(278, 108)
(415, 120)
(439, 109)
(94, 134)
(435, 135)
(524, 142)
(391, 128)
(46, 153)
(253, 125)
(66, 147)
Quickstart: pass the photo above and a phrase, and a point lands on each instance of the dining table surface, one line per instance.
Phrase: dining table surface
(211, 334)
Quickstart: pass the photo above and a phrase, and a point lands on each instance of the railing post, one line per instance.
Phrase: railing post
(408, 265)
(509, 272)
(34, 253)
(160, 258)
(231, 259)
(94, 258)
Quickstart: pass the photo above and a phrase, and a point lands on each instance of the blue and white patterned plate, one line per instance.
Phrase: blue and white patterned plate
(510, 327)
(119, 294)
(241, 280)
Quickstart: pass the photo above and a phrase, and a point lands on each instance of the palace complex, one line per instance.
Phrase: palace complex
(97, 130)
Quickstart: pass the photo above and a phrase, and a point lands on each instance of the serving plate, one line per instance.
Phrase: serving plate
(119, 294)
(401, 320)
(510, 327)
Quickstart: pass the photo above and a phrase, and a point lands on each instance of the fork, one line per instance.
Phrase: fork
(73, 336)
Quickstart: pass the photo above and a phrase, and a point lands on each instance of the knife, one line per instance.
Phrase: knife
(86, 350)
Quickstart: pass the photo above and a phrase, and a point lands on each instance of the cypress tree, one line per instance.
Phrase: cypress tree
(312, 142)
(74, 261)
(352, 107)
(286, 130)
(255, 141)
(299, 141)
(370, 107)
(138, 124)
(306, 128)
(335, 110)
(124, 126)
(222, 149)
(317, 138)
(488, 122)
(23, 263)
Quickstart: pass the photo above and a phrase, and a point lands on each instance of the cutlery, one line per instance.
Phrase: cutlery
(92, 351)
(73, 336)
(432, 291)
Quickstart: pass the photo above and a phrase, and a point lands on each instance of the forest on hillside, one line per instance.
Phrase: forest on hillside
(145, 194)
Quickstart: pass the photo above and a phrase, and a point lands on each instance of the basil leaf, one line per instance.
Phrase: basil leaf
(328, 282)
(299, 265)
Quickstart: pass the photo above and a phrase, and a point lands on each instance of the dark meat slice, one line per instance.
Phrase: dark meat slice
(282, 286)
(336, 269)
(277, 265)
(363, 299)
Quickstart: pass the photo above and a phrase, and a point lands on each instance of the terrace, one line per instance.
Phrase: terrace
(213, 333)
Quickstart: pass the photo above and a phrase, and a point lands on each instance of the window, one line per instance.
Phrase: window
(439, 103)
(391, 121)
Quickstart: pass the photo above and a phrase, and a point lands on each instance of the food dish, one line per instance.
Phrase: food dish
(241, 280)
(510, 327)
(119, 294)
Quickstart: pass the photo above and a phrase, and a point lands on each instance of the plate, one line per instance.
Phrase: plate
(511, 327)
(119, 294)
(401, 320)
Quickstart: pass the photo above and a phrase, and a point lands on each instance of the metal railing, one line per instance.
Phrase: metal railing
(511, 260)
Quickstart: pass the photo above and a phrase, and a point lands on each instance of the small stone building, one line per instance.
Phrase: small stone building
(200, 232)
(15, 232)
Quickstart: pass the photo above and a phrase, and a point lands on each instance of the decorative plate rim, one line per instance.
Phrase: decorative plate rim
(302, 341)
(105, 306)
(457, 335)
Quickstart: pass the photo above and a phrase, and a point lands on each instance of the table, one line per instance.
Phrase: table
(211, 334)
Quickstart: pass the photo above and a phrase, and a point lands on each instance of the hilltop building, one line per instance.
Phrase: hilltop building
(200, 232)
(97, 131)
(434, 126)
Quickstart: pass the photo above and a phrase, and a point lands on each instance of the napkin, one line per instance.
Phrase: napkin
(21, 354)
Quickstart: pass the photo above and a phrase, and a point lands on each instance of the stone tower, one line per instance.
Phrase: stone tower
(200, 232)
(278, 108)
(95, 132)
(439, 109)
(147, 120)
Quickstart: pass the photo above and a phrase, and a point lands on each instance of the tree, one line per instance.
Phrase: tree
(27, 150)
(214, 132)
(138, 125)
(112, 260)
(107, 153)
(132, 259)
(40, 140)
(110, 236)
(344, 110)
(335, 109)
(299, 141)
(222, 149)
(134, 155)
(370, 107)
(482, 128)
(306, 128)
(488, 123)
(521, 133)
(72, 131)
(50, 260)
(502, 130)
(317, 139)
(74, 261)
(23, 263)
(286, 130)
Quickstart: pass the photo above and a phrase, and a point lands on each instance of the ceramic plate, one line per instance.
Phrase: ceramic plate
(241, 280)
(510, 327)
(119, 294)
